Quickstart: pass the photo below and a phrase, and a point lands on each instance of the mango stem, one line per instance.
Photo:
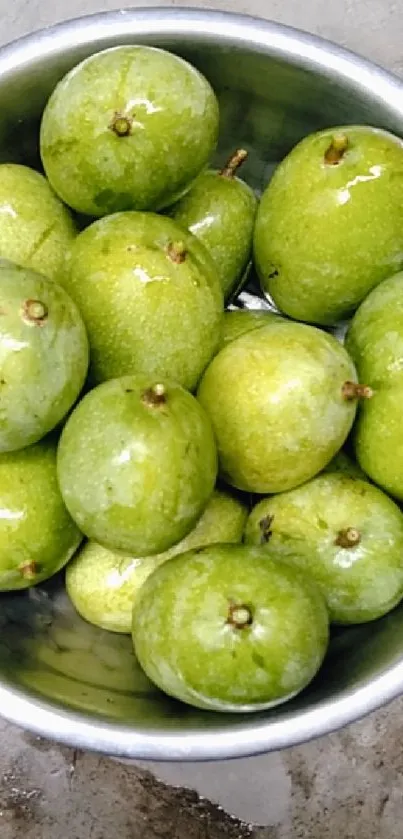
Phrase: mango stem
(348, 538)
(235, 161)
(121, 125)
(352, 390)
(336, 150)
(239, 615)
(154, 396)
(177, 252)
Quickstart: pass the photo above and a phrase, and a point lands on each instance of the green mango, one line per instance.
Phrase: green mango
(103, 585)
(137, 464)
(128, 128)
(37, 535)
(378, 441)
(237, 323)
(149, 296)
(226, 628)
(282, 400)
(36, 229)
(375, 335)
(375, 341)
(43, 355)
(343, 463)
(345, 533)
(330, 223)
(220, 210)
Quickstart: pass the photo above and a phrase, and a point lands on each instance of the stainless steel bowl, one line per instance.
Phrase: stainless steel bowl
(60, 677)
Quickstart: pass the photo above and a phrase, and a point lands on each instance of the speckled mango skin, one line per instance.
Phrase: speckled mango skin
(378, 440)
(43, 363)
(136, 476)
(144, 312)
(237, 323)
(375, 336)
(360, 583)
(104, 585)
(173, 118)
(375, 341)
(36, 229)
(37, 535)
(331, 232)
(221, 212)
(187, 647)
(274, 397)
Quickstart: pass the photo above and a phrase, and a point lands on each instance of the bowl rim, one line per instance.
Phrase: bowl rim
(72, 728)
(75, 728)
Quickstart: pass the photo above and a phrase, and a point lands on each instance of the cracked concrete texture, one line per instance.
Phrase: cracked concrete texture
(346, 786)
(52, 792)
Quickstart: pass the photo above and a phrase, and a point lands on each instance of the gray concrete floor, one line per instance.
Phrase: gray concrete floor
(347, 785)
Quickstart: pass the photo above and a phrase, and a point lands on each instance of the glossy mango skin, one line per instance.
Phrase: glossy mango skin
(221, 212)
(145, 312)
(36, 229)
(104, 585)
(43, 360)
(275, 400)
(375, 335)
(136, 472)
(360, 582)
(37, 535)
(327, 234)
(375, 341)
(377, 439)
(185, 642)
(171, 116)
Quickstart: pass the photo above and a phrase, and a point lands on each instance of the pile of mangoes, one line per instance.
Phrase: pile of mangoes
(223, 484)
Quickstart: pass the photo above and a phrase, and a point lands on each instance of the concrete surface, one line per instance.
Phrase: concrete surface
(347, 785)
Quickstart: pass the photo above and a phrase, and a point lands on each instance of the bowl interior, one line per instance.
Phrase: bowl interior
(87, 681)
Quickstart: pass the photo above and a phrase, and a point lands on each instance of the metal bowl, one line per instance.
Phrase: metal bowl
(59, 676)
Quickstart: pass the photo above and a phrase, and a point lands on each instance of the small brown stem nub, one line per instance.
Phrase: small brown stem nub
(336, 150)
(28, 570)
(235, 161)
(348, 538)
(34, 311)
(121, 124)
(352, 390)
(239, 615)
(154, 396)
(265, 529)
(177, 252)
